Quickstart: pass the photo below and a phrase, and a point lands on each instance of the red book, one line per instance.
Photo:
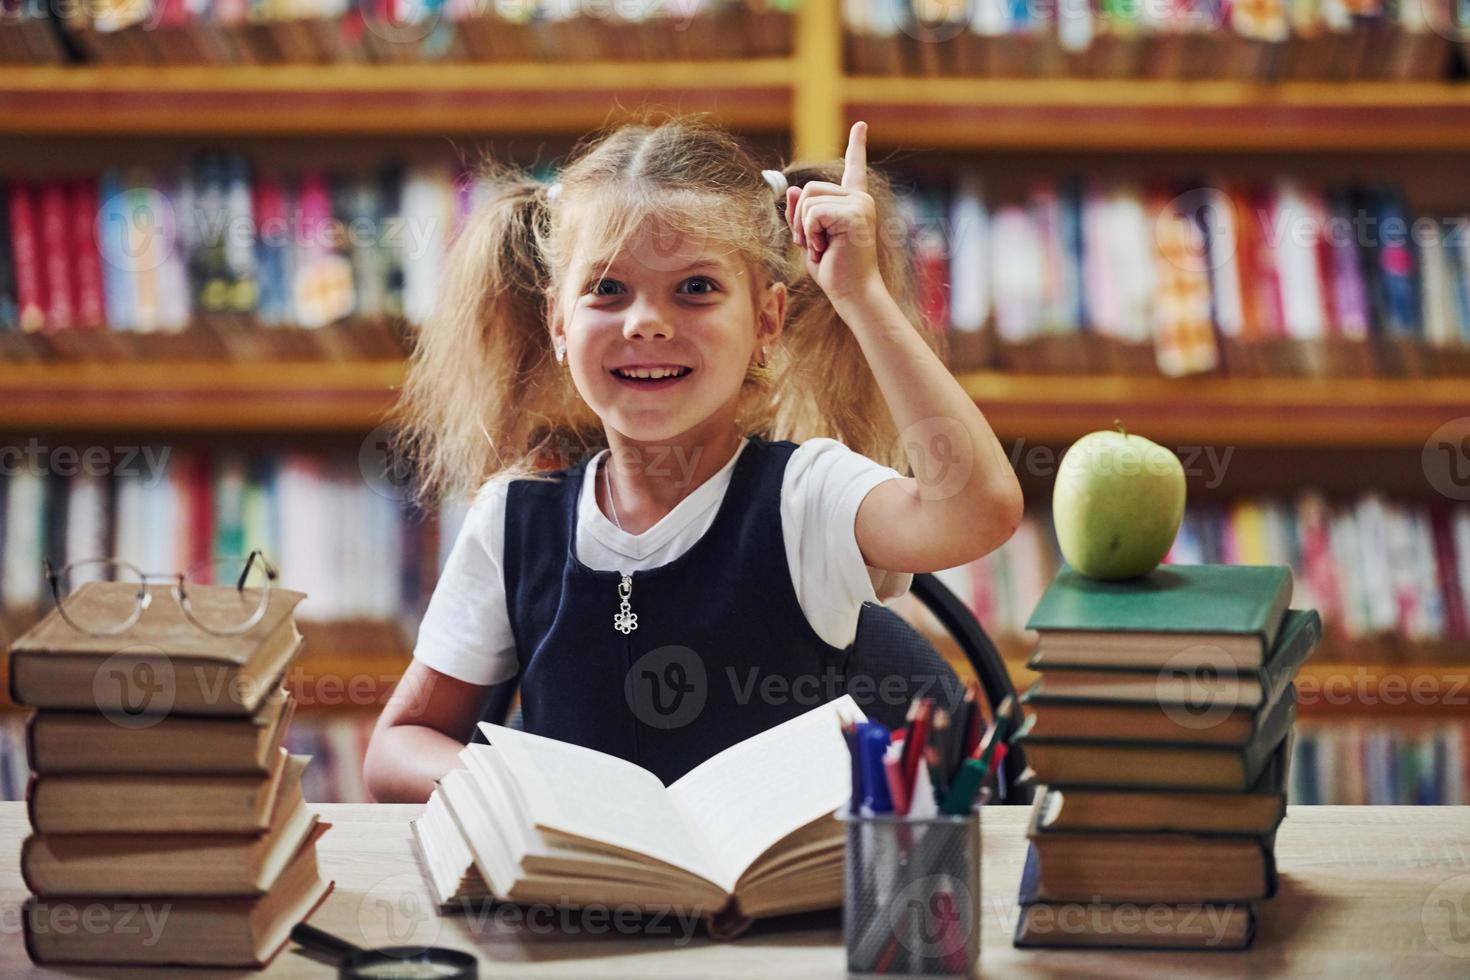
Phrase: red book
(1269, 312)
(1449, 575)
(56, 255)
(1247, 231)
(199, 485)
(30, 299)
(91, 307)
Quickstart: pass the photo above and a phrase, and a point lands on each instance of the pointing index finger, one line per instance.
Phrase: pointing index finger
(855, 163)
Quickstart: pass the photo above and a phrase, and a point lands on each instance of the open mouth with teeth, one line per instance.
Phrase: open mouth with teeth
(651, 377)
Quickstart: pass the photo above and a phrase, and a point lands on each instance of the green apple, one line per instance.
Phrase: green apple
(1117, 504)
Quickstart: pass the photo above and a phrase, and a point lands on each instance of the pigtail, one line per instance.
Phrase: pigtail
(827, 388)
(484, 393)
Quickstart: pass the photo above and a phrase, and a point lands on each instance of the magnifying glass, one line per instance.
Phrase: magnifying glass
(389, 962)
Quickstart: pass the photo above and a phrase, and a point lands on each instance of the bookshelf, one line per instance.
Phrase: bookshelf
(355, 395)
(170, 387)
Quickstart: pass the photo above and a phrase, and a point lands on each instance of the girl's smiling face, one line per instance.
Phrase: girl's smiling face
(659, 340)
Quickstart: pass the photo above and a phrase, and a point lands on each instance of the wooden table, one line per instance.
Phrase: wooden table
(1366, 891)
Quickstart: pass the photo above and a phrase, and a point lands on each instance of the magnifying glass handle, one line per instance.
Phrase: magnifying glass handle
(325, 943)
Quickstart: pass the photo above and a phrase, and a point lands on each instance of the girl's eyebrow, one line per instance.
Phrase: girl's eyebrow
(617, 268)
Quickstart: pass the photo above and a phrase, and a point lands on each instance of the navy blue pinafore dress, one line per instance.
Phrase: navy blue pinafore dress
(719, 651)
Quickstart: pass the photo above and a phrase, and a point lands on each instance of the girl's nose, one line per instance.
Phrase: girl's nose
(646, 322)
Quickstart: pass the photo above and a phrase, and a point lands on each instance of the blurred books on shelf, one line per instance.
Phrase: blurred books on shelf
(226, 258)
(235, 32)
(216, 241)
(1390, 577)
(1251, 40)
(337, 527)
(1413, 763)
(1089, 276)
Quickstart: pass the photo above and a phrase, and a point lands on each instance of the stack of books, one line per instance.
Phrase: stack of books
(1160, 743)
(168, 825)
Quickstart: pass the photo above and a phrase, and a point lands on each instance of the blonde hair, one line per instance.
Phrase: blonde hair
(484, 394)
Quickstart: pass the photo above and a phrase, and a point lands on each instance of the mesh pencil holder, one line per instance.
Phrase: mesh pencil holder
(911, 895)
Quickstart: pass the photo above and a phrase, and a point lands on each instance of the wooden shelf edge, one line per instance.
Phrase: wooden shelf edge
(1239, 411)
(357, 395)
(531, 98)
(1108, 114)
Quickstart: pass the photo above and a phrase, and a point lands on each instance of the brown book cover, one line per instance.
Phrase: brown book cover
(218, 932)
(163, 664)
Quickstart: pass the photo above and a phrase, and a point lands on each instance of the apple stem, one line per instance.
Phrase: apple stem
(1119, 424)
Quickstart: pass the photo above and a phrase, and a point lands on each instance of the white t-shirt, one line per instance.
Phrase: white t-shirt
(466, 630)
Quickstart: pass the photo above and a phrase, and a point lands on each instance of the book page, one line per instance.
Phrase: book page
(753, 794)
(586, 793)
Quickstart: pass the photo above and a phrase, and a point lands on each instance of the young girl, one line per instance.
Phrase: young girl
(649, 324)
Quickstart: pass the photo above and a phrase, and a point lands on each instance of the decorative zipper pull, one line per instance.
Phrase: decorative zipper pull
(626, 620)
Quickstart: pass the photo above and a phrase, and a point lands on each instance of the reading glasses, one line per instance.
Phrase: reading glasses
(228, 612)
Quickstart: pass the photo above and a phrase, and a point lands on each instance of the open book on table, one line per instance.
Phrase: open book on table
(750, 832)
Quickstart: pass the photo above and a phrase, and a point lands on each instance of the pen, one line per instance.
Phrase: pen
(915, 740)
(872, 739)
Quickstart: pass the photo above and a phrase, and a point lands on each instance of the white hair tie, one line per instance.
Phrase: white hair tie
(554, 191)
(777, 180)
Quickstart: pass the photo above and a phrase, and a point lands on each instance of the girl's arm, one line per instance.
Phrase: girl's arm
(418, 737)
(963, 500)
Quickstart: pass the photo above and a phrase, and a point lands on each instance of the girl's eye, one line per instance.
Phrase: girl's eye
(700, 285)
(606, 287)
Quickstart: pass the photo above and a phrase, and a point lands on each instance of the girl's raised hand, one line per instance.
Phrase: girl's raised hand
(837, 226)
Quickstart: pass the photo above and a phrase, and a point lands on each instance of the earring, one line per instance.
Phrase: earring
(561, 353)
(763, 355)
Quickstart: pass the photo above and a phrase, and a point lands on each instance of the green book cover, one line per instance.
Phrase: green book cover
(1226, 599)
